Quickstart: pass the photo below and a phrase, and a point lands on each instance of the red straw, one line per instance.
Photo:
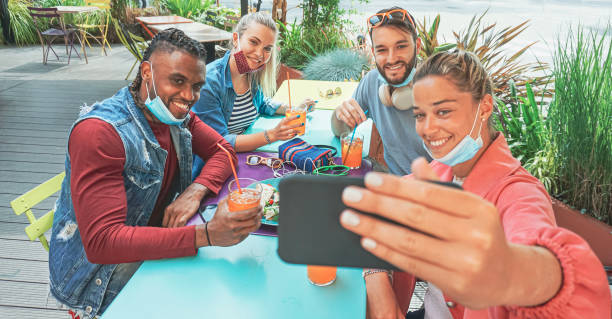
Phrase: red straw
(229, 156)
(289, 88)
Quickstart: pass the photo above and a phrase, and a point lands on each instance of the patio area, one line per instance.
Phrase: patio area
(38, 104)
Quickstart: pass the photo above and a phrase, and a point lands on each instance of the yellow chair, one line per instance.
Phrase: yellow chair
(135, 44)
(104, 6)
(25, 202)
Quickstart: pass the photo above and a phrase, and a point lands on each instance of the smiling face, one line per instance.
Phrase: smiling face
(256, 42)
(178, 78)
(445, 115)
(395, 52)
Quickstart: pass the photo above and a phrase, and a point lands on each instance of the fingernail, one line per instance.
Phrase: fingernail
(302, 124)
(298, 116)
(317, 101)
(352, 195)
(373, 179)
(349, 218)
(368, 243)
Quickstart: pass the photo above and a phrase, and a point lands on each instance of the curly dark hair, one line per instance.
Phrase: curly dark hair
(170, 40)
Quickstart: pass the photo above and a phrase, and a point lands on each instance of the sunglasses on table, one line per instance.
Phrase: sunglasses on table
(329, 93)
(268, 161)
(379, 19)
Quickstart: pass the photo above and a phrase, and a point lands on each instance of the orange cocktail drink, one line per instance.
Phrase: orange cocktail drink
(352, 150)
(246, 199)
(301, 120)
(321, 275)
(242, 199)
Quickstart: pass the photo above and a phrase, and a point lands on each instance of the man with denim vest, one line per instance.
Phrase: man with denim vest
(128, 191)
(386, 92)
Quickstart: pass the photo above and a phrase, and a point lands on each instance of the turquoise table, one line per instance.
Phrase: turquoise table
(318, 131)
(244, 281)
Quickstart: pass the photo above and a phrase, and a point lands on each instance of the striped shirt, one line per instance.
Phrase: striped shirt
(243, 114)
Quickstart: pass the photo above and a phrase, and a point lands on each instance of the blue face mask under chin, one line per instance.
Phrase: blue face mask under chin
(158, 107)
(465, 150)
(404, 83)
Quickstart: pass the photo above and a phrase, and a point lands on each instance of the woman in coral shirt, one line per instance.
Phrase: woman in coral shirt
(490, 251)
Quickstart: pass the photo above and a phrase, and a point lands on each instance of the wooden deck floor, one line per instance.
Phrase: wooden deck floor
(35, 117)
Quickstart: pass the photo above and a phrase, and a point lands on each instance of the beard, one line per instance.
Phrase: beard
(409, 68)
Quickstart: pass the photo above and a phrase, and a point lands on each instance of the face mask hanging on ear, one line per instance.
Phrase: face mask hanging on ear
(465, 150)
(241, 61)
(158, 107)
(401, 97)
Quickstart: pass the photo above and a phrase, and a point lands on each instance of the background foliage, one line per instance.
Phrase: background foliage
(21, 22)
(523, 122)
(581, 120)
(337, 65)
(492, 47)
(323, 28)
(188, 8)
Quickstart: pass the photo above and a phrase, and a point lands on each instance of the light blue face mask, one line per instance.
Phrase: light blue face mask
(404, 83)
(158, 107)
(465, 150)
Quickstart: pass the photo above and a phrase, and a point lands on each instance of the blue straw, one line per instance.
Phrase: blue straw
(353, 136)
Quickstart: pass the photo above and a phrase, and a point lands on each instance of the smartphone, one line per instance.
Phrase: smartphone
(309, 230)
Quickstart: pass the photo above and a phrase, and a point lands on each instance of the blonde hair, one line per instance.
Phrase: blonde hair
(464, 69)
(266, 77)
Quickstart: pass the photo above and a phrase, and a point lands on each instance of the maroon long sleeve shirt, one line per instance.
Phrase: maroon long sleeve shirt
(97, 158)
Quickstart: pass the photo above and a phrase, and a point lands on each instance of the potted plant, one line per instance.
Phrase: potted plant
(580, 118)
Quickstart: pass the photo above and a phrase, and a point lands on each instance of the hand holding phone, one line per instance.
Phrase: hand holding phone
(460, 245)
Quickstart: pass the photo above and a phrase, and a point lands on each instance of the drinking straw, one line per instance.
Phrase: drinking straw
(229, 156)
(348, 149)
(289, 88)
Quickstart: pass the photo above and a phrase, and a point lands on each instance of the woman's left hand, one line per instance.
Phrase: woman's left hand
(453, 238)
(308, 104)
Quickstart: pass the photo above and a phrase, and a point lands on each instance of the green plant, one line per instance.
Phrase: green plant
(188, 8)
(217, 16)
(581, 120)
(429, 38)
(489, 45)
(299, 44)
(323, 29)
(322, 12)
(337, 65)
(523, 123)
(22, 24)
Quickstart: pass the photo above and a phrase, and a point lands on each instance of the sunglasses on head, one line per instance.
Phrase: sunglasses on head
(379, 19)
(268, 161)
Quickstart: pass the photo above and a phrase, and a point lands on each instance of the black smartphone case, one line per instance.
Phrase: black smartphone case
(309, 230)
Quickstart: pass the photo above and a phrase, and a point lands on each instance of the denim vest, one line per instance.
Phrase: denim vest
(216, 102)
(75, 281)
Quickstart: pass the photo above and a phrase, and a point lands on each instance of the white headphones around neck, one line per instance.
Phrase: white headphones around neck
(399, 97)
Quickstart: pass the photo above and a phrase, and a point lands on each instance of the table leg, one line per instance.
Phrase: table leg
(61, 20)
(82, 41)
(210, 51)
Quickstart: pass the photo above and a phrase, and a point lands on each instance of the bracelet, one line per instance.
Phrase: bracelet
(367, 272)
(207, 237)
(267, 137)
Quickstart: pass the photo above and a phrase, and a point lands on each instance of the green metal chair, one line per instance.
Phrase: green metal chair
(135, 44)
(25, 203)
